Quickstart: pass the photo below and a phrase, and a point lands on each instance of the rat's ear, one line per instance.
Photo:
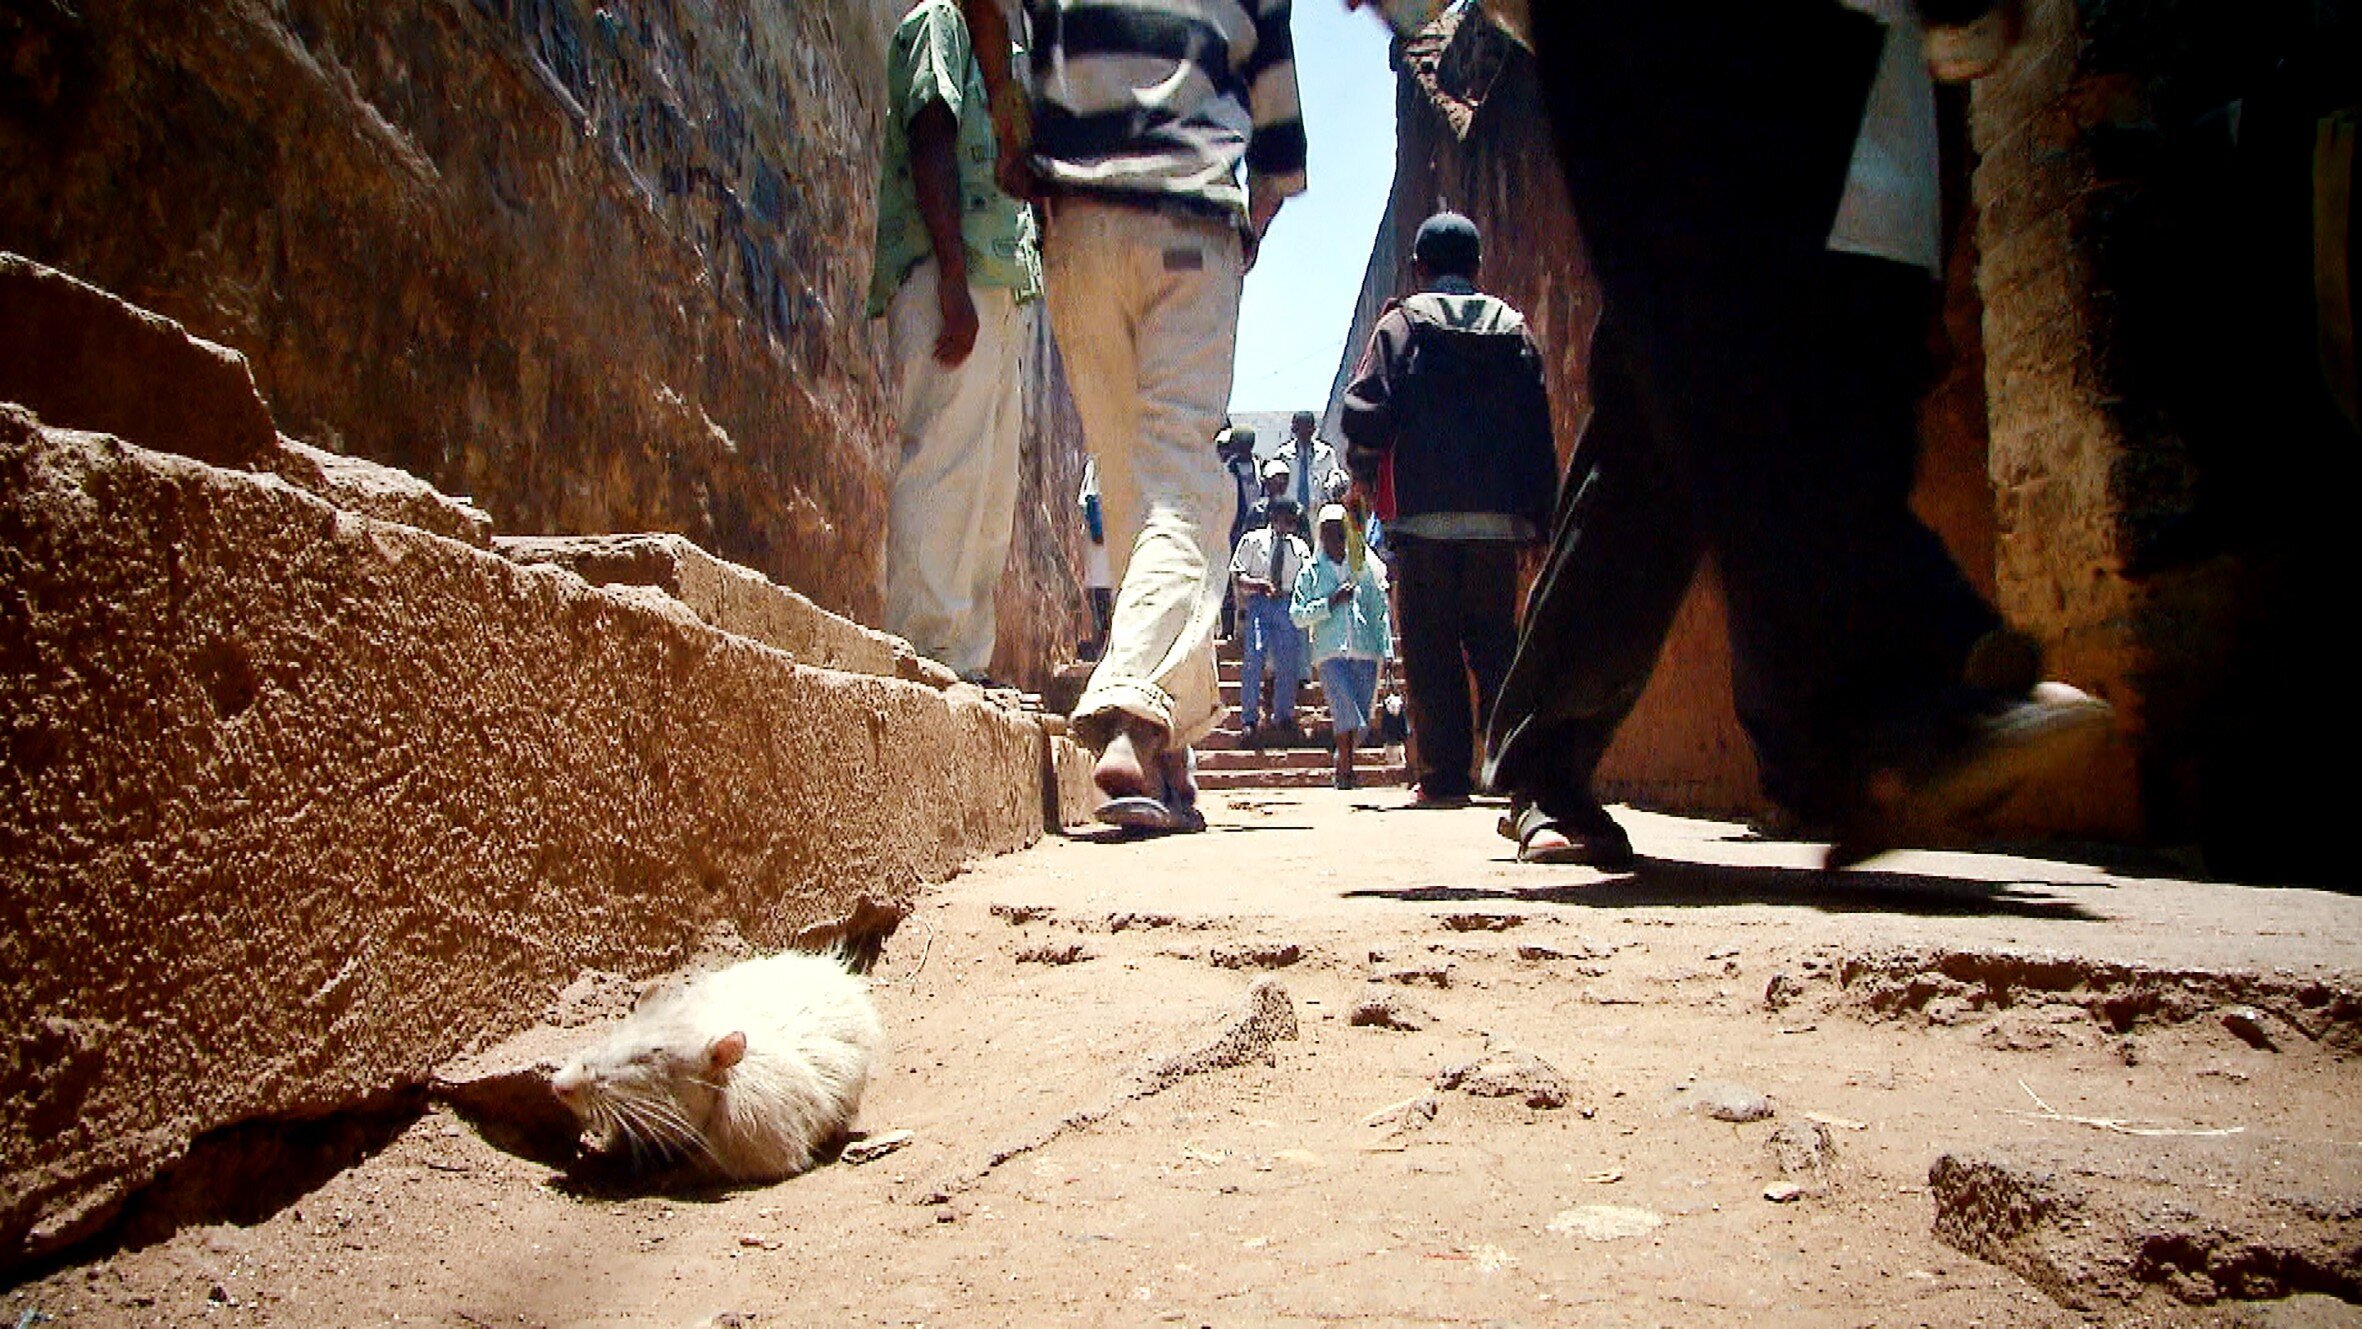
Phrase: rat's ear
(727, 1051)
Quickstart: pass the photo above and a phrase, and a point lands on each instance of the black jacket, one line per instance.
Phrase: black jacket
(1452, 388)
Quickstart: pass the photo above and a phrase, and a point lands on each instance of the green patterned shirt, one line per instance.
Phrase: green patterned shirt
(931, 61)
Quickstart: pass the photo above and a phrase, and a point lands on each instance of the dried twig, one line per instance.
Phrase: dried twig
(2120, 1126)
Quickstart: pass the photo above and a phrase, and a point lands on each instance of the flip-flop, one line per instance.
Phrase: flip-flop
(1138, 812)
(1151, 816)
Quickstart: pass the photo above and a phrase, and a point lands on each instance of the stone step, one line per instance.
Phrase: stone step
(1289, 759)
(1307, 694)
(1380, 777)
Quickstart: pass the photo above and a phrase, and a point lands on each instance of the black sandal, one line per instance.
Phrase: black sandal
(1604, 846)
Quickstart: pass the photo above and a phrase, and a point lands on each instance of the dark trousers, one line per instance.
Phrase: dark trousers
(1755, 400)
(1459, 620)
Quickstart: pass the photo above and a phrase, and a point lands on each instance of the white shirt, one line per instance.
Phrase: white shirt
(1252, 558)
(1891, 208)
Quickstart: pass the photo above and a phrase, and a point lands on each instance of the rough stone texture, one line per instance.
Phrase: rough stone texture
(2108, 1219)
(1068, 794)
(603, 268)
(1387, 1008)
(1267, 1017)
(732, 598)
(298, 804)
(2056, 443)
(1472, 136)
(2169, 466)
(78, 356)
(1509, 1073)
(382, 492)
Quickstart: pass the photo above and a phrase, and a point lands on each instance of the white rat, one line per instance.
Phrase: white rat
(742, 1075)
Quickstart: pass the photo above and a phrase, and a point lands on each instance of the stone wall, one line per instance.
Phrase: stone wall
(300, 800)
(2172, 472)
(601, 267)
(1472, 137)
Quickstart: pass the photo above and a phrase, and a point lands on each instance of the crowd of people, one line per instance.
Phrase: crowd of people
(1757, 188)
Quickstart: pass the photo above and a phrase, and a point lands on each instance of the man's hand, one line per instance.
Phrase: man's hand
(1012, 132)
(1262, 206)
(1254, 586)
(1343, 594)
(958, 338)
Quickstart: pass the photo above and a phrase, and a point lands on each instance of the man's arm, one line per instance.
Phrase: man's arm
(1012, 111)
(1369, 416)
(935, 178)
(1276, 146)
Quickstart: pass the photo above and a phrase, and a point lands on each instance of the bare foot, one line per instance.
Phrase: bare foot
(1128, 767)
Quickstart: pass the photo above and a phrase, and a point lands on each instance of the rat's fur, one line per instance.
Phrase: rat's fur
(741, 1075)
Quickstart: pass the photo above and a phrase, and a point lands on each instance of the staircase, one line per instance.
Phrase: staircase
(1308, 760)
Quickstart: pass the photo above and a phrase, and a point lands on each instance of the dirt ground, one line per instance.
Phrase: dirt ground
(1082, 1153)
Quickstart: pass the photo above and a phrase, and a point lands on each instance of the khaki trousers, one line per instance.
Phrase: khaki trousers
(954, 504)
(1145, 306)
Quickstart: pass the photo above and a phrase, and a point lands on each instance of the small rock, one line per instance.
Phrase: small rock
(1536, 951)
(218, 1295)
(1483, 922)
(1069, 952)
(1605, 1222)
(2017, 1032)
(1509, 1073)
(1411, 1114)
(1255, 955)
(1801, 1149)
(1949, 1011)
(1126, 921)
(1730, 1102)
(1434, 975)
(870, 1148)
(1783, 1192)
(1780, 991)
(1018, 915)
(755, 1241)
(2246, 1024)
(1387, 1009)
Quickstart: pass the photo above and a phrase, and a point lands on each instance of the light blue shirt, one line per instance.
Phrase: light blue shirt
(1355, 630)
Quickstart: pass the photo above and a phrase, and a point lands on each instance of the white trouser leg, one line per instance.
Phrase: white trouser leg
(1145, 305)
(949, 522)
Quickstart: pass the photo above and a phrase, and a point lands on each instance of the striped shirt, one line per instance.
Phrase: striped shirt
(1166, 98)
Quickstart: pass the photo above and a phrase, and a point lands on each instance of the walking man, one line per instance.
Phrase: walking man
(1319, 479)
(1449, 405)
(1139, 122)
(1264, 571)
(1756, 377)
(956, 261)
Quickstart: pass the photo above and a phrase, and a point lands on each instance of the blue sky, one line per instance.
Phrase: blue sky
(1299, 298)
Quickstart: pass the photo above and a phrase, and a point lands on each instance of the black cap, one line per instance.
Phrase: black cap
(1288, 506)
(1304, 418)
(1242, 437)
(1448, 243)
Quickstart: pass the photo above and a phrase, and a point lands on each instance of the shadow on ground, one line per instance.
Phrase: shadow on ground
(1668, 883)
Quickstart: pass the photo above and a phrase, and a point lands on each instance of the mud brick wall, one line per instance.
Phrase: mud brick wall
(1472, 137)
(600, 266)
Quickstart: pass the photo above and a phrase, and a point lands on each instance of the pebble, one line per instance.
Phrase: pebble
(1605, 1222)
(1383, 1008)
(1509, 1073)
(2246, 1023)
(1783, 1192)
(1730, 1102)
